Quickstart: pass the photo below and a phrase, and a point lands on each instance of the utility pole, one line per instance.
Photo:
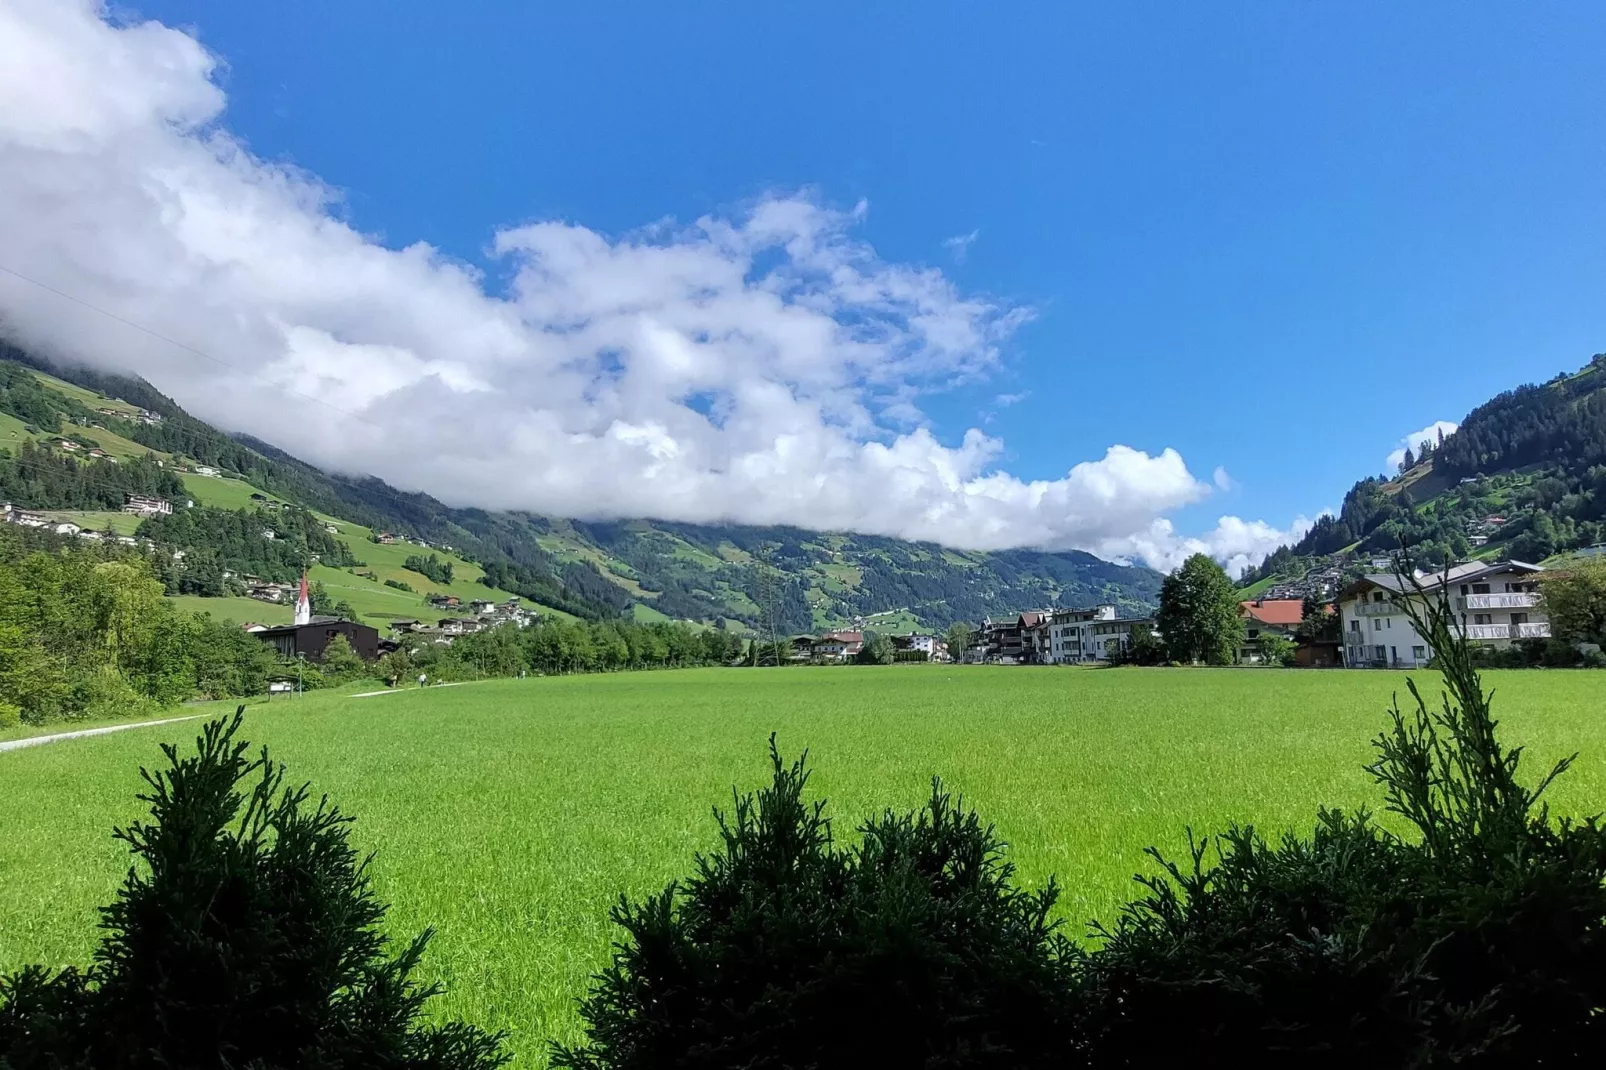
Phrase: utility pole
(764, 595)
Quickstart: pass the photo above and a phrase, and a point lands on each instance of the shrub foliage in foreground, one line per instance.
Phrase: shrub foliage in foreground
(786, 950)
(249, 938)
(1476, 940)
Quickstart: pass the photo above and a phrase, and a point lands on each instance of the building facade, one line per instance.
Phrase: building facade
(1497, 604)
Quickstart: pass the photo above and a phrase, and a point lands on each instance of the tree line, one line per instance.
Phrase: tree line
(86, 632)
(274, 545)
(553, 646)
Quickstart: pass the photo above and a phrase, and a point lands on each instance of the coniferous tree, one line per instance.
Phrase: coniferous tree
(248, 935)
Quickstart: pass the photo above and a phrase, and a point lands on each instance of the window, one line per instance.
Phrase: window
(1420, 653)
(1377, 596)
(1480, 588)
(1354, 625)
(1519, 618)
(1482, 618)
(1463, 588)
(1377, 625)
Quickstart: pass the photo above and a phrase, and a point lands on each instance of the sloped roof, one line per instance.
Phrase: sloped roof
(1465, 572)
(1281, 611)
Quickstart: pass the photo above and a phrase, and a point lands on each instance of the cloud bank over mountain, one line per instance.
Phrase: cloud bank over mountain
(764, 367)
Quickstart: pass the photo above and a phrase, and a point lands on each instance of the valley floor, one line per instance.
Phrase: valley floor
(511, 814)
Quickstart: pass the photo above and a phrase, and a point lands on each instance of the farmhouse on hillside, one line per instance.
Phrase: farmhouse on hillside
(1497, 604)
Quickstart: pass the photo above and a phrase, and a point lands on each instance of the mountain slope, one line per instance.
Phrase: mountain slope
(1524, 476)
(746, 577)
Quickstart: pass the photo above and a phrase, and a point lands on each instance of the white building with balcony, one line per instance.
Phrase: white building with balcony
(1074, 636)
(1495, 603)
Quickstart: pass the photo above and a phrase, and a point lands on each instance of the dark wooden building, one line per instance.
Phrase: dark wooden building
(309, 640)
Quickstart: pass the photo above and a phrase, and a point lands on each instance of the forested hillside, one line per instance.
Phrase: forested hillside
(1524, 476)
(790, 579)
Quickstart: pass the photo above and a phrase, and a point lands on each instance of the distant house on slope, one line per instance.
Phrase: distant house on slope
(140, 505)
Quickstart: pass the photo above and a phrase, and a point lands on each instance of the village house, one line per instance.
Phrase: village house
(918, 642)
(460, 625)
(205, 470)
(1268, 616)
(68, 444)
(444, 601)
(1075, 636)
(1497, 604)
(140, 505)
(482, 607)
(837, 646)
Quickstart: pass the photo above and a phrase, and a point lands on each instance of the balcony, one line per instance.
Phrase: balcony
(1376, 609)
(1497, 601)
(1497, 632)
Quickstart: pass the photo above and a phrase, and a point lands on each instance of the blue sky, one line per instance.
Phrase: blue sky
(1274, 238)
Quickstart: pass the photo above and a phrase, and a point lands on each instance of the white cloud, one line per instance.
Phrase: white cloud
(1429, 435)
(1004, 401)
(1221, 479)
(762, 367)
(959, 245)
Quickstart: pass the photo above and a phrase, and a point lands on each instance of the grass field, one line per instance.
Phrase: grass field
(511, 814)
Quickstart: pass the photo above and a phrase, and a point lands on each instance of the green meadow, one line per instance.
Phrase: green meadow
(510, 814)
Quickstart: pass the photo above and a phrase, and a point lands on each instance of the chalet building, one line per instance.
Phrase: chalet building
(140, 505)
(455, 626)
(837, 646)
(1497, 604)
(1268, 616)
(311, 640)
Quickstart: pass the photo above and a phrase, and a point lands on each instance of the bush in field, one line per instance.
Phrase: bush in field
(1477, 940)
(342, 662)
(248, 937)
(912, 949)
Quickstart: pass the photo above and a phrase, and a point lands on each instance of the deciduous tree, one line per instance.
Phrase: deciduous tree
(1199, 617)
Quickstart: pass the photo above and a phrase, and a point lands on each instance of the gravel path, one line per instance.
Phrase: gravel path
(35, 741)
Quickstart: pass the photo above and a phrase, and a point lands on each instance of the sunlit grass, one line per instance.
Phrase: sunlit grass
(511, 814)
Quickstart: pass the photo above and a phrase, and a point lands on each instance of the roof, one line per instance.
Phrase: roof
(1274, 610)
(1031, 620)
(842, 637)
(1465, 572)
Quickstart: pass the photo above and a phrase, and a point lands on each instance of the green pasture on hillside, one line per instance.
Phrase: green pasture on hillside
(511, 814)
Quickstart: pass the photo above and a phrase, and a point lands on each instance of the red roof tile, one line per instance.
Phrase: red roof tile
(1287, 611)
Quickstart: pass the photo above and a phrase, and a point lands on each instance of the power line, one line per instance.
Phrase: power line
(187, 348)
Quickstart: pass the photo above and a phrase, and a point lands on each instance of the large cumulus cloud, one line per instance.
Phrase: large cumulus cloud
(763, 367)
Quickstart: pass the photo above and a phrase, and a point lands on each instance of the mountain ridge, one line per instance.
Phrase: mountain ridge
(745, 577)
(1523, 476)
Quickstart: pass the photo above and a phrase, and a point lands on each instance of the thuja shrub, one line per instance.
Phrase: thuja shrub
(1475, 939)
(246, 935)
(913, 948)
